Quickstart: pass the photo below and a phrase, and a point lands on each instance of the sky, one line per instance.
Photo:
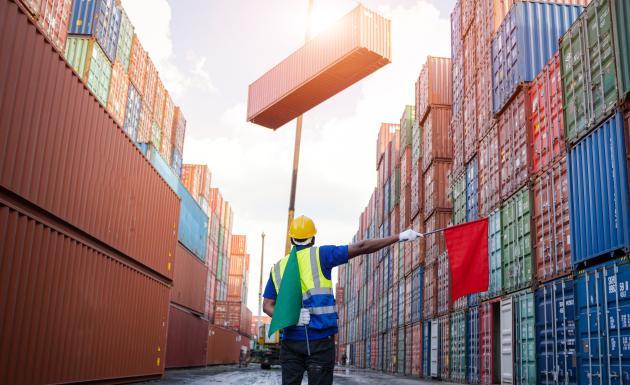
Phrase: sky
(208, 52)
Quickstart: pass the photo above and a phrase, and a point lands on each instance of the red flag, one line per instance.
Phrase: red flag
(467, 246)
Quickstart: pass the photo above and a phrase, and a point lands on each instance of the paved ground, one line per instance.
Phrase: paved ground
(253, 375)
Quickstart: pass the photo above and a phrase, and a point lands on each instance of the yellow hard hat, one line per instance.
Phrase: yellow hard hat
(302, 228)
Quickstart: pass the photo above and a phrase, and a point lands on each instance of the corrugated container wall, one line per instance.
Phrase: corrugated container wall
(489, 173)
(189, 281)
(187, 342)
(524, 43)
(137, 65)
(598, 192)
(436, 143)
(51, 273)
(99, 19)
(516, 242)
(433, 87)
(354, 47)
(621, 33)
(62, 184)
(524, 338)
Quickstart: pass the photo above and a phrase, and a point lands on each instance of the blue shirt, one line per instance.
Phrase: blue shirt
(329, 257)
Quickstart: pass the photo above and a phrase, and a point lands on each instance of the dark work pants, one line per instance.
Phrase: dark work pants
(319, 365)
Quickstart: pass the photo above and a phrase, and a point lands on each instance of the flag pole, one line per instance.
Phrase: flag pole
(434, 231)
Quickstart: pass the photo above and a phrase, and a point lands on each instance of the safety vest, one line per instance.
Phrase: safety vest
(317, 292)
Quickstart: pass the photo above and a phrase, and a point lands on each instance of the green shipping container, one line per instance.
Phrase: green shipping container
(621, 32)
(495, 260)
(516, 241)
(458, 347)
(125, 37)
(524, 338)
(589, 75)
(156, 139)
(458, 195)
(88, 60)
(395, 189)
(401, 350)
(406, 127)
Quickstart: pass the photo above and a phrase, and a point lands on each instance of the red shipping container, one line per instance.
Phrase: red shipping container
(456, 30)
(545, 93)
(429, 291)
(433, 87)
(60, 286)
(470, 125)
(239, 245)
(468, 15)
(552, 239)
(489, 173)
(224, 346)
(394, 220)
(138, 66)
(445, 347)
(408, 349)
(436, 142)
(458, 86)
(211, 284)
(417, 247)
(457, 135)
(187, 343)
(189, 280)
(483, 89)
(514, 143)
(118, 90)
(435, 187)
(434, 243)
(416, 349)
(108, 189)
(488, 356)
(417, 185)
(354, 47)
(53, 18)
(470, 61)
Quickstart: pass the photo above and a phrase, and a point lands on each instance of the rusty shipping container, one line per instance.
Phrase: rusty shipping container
(489, 173)
(354, 47)
(433, 87)
(429, 291)
(470, 125)
(197, 179)
(514, 143)
(436, 142)
(118, 91)
(53, 18)
(435, 243)
(436, 186)
(456, 132)
(105, 187)
(189, 280)
(552, 233)
(224, 346)
(78, 308)
(187, 342)
(547, 127)
(137, 65)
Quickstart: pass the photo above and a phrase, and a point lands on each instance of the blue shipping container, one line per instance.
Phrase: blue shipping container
(417, 279)
(472, 346)
(100, 19)
(599, 200)
(193, 222)
(524, 43)
(603, 324)
(555, 333)
(132, 113)
(472, 191)
(426, 349)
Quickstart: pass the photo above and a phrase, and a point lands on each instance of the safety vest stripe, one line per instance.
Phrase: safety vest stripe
(314, 267)
(317, 291)
(276, 269)
(320, 310)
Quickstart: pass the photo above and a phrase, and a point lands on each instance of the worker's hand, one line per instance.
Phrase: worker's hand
(409, 235)
(305, 317)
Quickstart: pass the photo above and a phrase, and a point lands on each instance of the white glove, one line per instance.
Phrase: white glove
(305, 317)
(409, 235)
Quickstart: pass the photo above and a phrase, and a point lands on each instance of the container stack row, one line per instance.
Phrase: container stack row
(114, 213)
(539, 138)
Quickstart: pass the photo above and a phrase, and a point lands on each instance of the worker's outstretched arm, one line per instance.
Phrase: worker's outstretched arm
(268, 306)
(373, 245)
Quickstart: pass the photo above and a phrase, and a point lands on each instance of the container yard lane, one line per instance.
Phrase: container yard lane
(254, 376)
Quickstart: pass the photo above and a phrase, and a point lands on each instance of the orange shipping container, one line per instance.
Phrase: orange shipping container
(118, 89)
(436, 141)
(158, 101)
(138, 65)
(433, 87)
(197, 178)
(144, 125)
(239, 245)
(236, 288)
(179, 130)
(189, 280)
(435, 244)
(54, 16)
(224, 346)
(354, 47)
(239, 264)
(435, 187)
(150, 83)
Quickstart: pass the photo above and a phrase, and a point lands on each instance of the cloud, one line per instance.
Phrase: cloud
(252, 165)
(154, 31)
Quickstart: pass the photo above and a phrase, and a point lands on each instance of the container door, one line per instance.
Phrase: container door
(435, 343)
(507, 337)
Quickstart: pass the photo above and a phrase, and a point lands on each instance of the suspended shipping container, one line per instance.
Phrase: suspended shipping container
(524, 43)
(552, 239)
(354, 47)
(598, 192)
(187, 344)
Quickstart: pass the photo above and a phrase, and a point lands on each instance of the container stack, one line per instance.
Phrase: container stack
(86, 251)
(540, 141)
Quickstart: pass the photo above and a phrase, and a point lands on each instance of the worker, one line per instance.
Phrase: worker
(318, 316)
